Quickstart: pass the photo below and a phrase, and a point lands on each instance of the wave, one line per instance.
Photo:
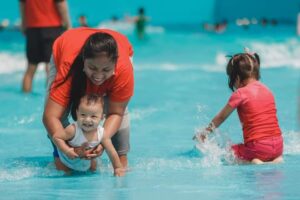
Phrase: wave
(11, 62)
(291, 143)
(128, 27)
(23, 168)
(141, 114)
(273, 55)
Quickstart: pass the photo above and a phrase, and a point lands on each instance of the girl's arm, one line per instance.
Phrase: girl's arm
(51, 118)
(113, 156)
(220, 117)
(216, 122)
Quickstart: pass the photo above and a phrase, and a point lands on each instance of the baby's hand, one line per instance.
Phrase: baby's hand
(80, 151)
(120, 171)
(71, 153)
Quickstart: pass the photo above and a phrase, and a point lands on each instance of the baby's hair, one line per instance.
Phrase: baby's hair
(244, 66)
(92, 99)
(89, 99)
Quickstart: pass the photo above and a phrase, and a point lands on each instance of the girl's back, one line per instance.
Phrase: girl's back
(257, 111)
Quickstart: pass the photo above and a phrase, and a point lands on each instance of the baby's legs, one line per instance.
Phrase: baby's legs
(93, 165)
(60, 166)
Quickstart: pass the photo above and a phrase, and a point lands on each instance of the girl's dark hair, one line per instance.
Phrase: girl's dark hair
(95, 45)
(244, 66)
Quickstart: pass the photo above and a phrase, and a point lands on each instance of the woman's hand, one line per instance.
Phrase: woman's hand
(72, 154)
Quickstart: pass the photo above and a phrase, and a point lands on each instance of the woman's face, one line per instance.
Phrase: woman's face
(98, 69)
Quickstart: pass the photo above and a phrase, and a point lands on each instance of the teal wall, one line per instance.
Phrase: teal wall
(172, 11)
(282, 10)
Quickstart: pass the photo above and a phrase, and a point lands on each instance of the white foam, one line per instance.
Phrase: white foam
(272, 55)
(153, 164)
(291, 142)
(14, 175)
(11, 62)
(285, 54)
(20, 170)
(128, 27)
(215, 150)
(14, 62)
(167, 66)
(139, 114)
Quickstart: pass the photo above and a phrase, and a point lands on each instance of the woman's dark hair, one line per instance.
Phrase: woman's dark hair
(95, 45)
(244, 66)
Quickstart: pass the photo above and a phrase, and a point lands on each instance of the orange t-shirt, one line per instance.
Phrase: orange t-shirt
(119, 87)
(41, 13)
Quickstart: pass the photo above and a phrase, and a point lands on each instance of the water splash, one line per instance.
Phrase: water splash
(23, 168)
(140, 114)
(216, 150)
(291, 142)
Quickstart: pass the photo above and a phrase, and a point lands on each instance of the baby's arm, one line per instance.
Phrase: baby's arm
(60, 139)
(113, 156)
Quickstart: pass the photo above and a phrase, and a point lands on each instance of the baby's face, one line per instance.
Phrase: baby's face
(89, 116)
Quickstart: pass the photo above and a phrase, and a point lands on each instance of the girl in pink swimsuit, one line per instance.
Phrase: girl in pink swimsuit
(256, 108)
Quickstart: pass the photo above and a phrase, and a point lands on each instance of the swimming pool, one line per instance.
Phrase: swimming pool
(180, 85)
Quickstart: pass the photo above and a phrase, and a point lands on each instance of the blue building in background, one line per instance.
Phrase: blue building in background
(174, 12)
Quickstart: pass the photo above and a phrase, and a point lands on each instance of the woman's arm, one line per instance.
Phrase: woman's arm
(113, 156)
(53, 113)
(111, 125)
(60, 139)
(114, 117)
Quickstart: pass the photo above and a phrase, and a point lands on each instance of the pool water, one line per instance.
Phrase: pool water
(180, 84)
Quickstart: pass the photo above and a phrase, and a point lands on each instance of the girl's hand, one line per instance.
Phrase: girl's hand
(201, 135)
(71, 154)
(120, 171)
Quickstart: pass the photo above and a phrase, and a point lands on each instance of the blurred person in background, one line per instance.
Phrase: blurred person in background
(140, 23)
(82, 20)
(41, 23)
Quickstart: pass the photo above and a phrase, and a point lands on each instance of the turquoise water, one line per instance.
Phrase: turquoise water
(180, 85)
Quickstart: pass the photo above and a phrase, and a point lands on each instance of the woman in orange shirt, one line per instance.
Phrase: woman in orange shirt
(87, 61)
